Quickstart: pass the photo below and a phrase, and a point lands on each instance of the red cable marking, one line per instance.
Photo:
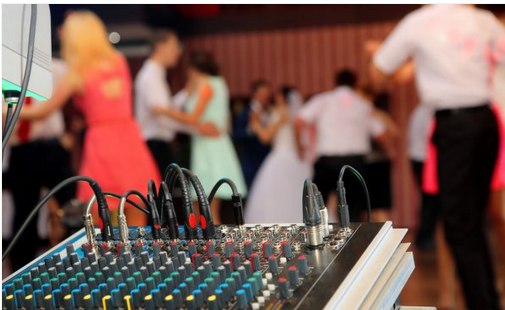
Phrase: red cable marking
(192, 221)
(203, 223)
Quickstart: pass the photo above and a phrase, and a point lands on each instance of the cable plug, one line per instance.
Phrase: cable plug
(103, 212)
(238, 209)
(168, 207)
(322, 210)
(153, 211)
(343, 207)
(312, 215)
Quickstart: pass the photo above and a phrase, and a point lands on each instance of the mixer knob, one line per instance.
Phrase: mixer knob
(255, 261)
(302, 264)
(293, 276)
(170, 302)
(212, 303)
(267, 249)
(39, 298)
(208, 268)
(228, 249)
(210, 248)
(216, 260)
(190, 302)
(148, 303)
(227, 267)
(248, 249)
(192, 248)
(197, 260)
(88, 302)
(68, 305)
(235, 261)
(178, 297)
(174, 248)
(198, 298)
(284, 288)
(116, 298)
(248, 267)
(272, 265)
(286, 249)
(241, 299)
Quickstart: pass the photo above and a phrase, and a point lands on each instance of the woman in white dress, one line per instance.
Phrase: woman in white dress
(276, 194)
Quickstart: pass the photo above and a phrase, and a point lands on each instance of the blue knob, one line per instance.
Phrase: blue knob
(241, 299)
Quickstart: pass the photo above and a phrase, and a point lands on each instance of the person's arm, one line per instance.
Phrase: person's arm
(299, 128)
(389, 56)
(192, 118)
(405, 74)
(62, 93)
(266, 133)
(386, 144)
(309, 113)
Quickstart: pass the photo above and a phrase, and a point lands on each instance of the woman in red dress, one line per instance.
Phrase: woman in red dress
(99, 81)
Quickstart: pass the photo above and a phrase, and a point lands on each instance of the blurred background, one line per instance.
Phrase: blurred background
(302, 46)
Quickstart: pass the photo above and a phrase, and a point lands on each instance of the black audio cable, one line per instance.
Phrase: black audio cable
(236, 198)
(174, 173)
(130, 202)
(130, 192)
(26, 78)
(167, 207)
(103, 209)
(343, 208)
(206, 220)
(154, 216)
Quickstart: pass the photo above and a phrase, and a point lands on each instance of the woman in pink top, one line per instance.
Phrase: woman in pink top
(99, 81)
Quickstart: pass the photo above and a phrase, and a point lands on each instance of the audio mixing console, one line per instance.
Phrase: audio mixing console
(310, 265)
(249, 267)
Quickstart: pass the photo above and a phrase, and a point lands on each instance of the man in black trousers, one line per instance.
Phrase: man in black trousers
(448, 45)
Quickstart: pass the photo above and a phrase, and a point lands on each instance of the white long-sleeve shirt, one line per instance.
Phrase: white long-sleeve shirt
(450, 45)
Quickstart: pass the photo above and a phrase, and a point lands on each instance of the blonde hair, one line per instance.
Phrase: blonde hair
(85, 44)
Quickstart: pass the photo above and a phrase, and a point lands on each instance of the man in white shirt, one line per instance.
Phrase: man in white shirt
(152, 89)
(448, 45)
(344, 125)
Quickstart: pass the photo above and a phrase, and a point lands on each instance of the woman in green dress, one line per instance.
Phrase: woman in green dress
(212, 158)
